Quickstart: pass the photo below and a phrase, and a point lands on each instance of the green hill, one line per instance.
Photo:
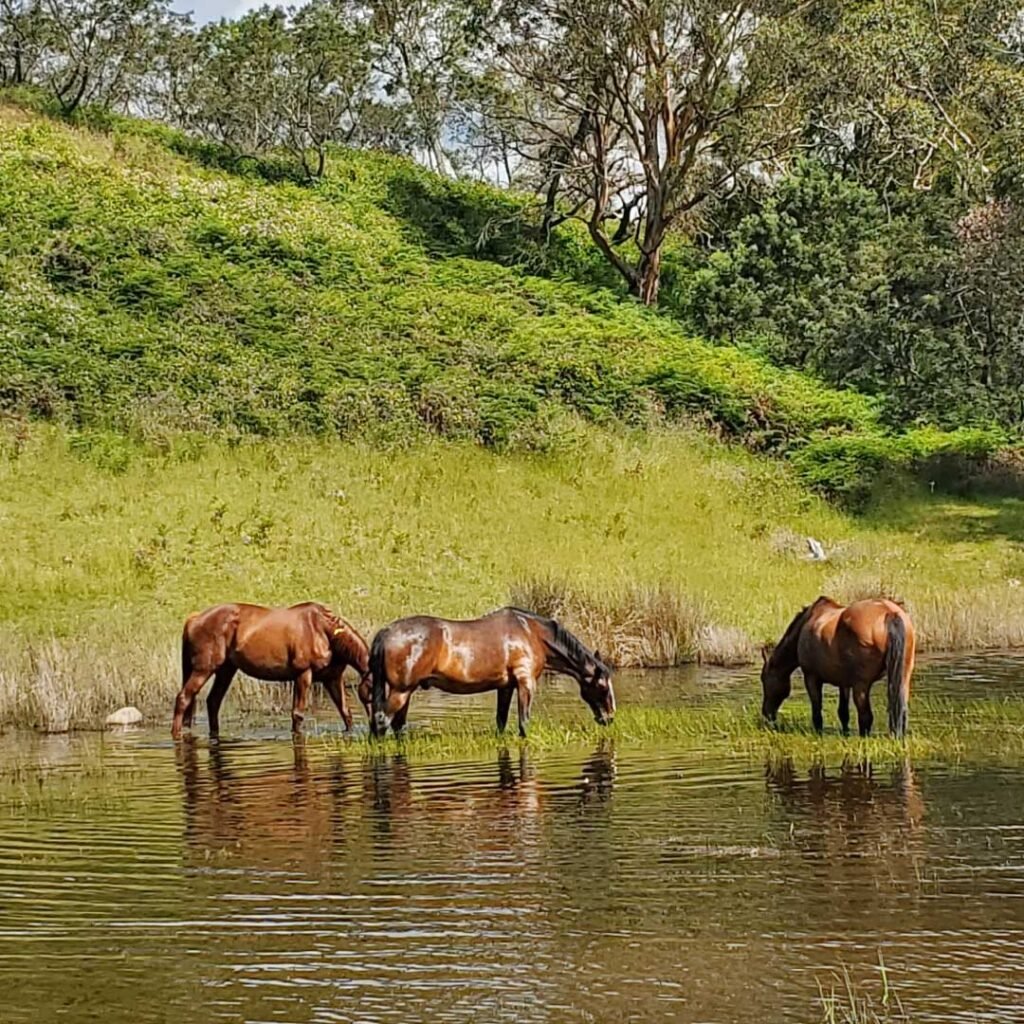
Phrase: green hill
(221, 384)
(146, 292)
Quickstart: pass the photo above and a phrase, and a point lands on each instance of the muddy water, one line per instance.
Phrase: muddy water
(259, 880)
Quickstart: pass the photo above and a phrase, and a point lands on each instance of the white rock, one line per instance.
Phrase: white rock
(817, 552)
(125, 716)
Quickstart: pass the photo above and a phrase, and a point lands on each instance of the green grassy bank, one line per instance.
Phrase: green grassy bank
(659, 548)
(946, 731)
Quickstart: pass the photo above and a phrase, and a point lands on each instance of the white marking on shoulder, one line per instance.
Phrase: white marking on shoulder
(416, 649)
(463, 653)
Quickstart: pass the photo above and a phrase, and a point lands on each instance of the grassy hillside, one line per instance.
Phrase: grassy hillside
(146, 293)
(657, 547)
(264, 391)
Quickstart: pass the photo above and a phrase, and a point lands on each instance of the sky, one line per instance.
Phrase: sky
(211, 10)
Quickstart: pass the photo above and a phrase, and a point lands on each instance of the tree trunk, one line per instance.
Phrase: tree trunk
(649, 277)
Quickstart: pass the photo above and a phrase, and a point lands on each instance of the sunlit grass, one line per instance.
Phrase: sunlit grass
(943, 730)
(657, 548)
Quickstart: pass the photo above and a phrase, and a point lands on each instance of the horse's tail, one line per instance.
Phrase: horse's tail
(379, 721)
(895, 660)
(186, 650)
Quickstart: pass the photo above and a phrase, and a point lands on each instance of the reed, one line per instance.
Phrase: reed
(843, 1002)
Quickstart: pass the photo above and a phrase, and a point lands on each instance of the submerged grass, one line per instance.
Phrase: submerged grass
(943, 730)
(843, 1002)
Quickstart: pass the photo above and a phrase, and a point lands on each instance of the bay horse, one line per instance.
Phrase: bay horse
(303, 643)
(850, 647)
(506, 651)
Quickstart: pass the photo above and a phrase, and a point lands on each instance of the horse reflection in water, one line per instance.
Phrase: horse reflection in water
(322, 811)
(471, 813)
(512, 819)
(287, 815)
(863, 824)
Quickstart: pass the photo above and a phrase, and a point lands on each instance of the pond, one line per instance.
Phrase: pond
(260, 879)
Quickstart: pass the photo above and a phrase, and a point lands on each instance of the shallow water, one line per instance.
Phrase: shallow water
(260, 880)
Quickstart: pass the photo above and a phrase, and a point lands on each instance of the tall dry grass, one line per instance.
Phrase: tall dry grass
(57, 685)
(636, 625)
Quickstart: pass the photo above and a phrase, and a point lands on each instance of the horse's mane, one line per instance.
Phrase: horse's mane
(787, 645)
(344, 634)
(565, 644)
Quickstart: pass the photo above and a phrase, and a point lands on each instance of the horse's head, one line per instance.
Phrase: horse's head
(775, 684)
(596, 689)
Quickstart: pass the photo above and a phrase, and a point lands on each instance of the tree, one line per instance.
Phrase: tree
(22, 39)
(297, 79)
(633, 113)
(986, 283)
(912, 93)
(327, 87)
(429, 57)
(97, 51)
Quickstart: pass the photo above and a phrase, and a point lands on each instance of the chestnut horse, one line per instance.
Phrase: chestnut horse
(506, 651)
(850, 647)
(303, 643)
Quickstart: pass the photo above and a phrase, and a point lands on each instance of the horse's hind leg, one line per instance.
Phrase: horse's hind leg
(221, 682)
(844, 709)
(303, 681)
(865, 717)
(504, 703)
(183, 702)
(524, 691)
(813, 685)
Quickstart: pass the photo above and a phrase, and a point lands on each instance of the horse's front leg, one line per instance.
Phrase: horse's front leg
(813, 684)
(524, 691)
(844, 709)
(365, 693)
(185, 701)
(300, 694)
(335, 687)
(504, 704)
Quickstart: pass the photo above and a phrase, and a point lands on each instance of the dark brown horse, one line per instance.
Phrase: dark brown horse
(850, 647)
(303, 643)
(505, 651)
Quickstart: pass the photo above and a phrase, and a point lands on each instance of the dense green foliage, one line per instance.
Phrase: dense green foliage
(144, 293)
(914, 302)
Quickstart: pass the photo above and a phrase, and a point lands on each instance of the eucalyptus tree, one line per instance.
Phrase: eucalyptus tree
(633, 112)
(97, 51)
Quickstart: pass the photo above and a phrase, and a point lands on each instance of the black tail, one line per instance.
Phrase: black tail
(895, 656)
(186, 653)
(379, 720)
